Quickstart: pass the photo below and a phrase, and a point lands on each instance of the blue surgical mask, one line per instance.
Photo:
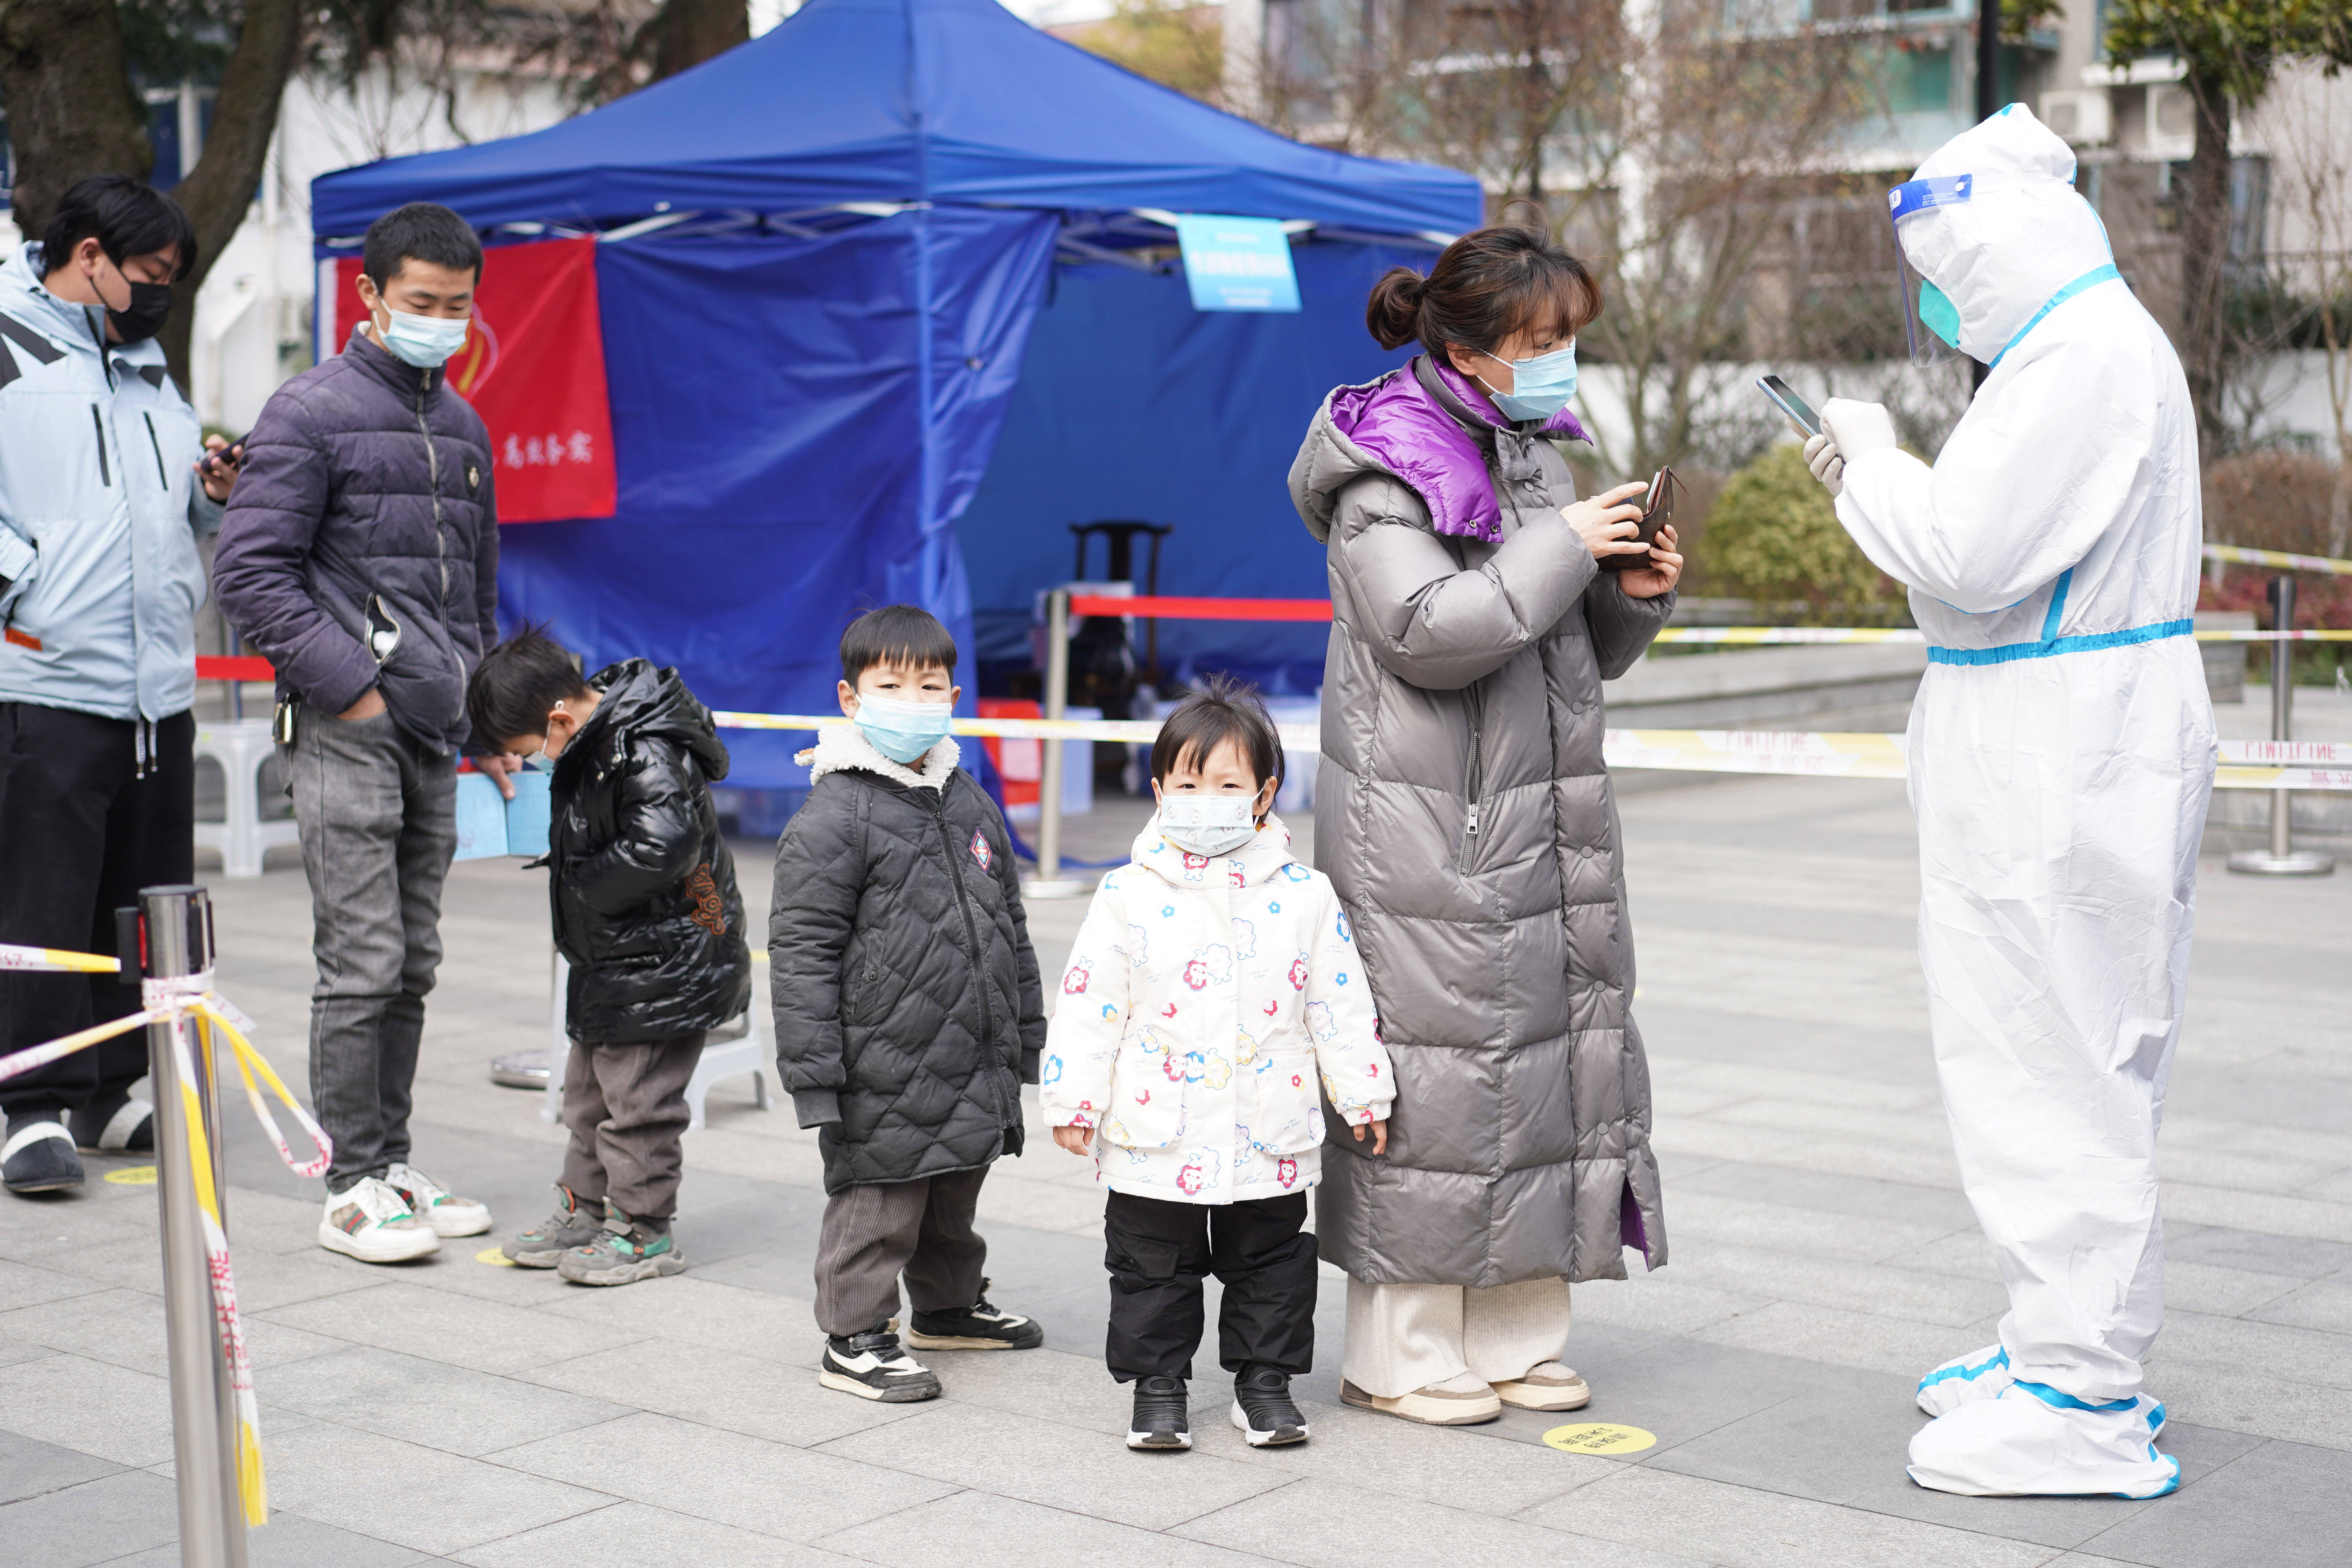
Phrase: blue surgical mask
(904, 732)
(1938, 314)
(425, 342)
(1540, 387)
(540, 761)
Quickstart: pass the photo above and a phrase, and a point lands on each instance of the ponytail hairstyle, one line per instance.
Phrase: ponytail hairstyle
(1490, 285)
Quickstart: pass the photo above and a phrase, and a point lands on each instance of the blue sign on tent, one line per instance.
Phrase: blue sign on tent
(1237, 263)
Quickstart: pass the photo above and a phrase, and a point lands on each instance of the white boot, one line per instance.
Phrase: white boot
(2030, 1440)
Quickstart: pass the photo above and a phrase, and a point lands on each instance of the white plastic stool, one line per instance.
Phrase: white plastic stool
(723, 1056)
(242, 839)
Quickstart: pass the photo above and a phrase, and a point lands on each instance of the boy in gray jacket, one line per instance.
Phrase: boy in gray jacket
(908, 1011)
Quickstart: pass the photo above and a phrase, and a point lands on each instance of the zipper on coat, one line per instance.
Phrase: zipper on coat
(1473, 700)
(105, 474)
(157, 446)
(433, 471)
(971, 926)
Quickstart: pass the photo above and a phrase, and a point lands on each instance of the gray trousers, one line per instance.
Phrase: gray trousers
(626, 1108)
(378, 812)
(875, 1232)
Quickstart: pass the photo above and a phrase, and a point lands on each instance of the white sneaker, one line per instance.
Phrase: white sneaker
(372, 1223)
(446, 1213)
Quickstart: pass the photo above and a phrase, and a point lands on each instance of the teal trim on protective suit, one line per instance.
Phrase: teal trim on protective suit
(2010, 653)
(2000, 1359)
(2094, 277)
(2058, 1401)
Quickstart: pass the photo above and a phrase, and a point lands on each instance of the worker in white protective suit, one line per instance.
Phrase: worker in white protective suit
(2061, 754)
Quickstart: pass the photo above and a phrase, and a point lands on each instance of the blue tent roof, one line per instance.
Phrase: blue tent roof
(903, 101)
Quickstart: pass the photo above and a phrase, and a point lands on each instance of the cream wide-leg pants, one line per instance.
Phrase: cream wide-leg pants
(1406, 1337)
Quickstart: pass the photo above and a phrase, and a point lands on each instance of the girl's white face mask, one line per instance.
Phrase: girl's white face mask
(1207, 823)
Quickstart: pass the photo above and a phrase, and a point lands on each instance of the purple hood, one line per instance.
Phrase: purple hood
(1396, 421)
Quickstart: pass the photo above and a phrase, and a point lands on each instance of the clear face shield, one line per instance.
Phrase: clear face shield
(1931, 322)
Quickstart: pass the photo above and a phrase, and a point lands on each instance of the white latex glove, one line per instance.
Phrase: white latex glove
(1828, 464)
(1858, 429)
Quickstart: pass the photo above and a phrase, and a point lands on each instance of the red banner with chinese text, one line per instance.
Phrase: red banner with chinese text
(533, 367)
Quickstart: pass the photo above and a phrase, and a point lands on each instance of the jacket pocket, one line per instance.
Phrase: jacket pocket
(1289, 1101)
(1147, 1096)
(861, 989)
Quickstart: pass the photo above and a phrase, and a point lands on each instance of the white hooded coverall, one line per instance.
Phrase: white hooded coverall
(2062, 751)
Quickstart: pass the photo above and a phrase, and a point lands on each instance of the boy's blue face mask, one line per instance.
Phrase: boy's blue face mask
(903, 731)
(1540, 387)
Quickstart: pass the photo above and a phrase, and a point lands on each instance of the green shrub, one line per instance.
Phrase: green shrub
(1773, 536)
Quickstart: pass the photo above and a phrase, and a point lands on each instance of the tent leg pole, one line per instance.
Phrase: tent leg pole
(1049, 882)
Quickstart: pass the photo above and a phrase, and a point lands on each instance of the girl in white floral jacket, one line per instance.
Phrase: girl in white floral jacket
(1213, 1007)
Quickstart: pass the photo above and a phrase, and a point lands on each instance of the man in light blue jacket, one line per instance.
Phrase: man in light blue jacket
(105, 488)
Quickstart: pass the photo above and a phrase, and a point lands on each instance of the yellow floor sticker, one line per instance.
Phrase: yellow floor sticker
(494, 1256)
(1599, 1437)
(134, 1176)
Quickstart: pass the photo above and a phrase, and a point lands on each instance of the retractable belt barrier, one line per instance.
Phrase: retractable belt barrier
(2245, 765)
(174, 1003)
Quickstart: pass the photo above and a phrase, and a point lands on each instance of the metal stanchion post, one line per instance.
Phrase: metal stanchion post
(2280, 858)
(1049, 882)
(177, 932)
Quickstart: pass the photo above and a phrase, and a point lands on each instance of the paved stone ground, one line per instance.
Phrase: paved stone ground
(1823, 1257)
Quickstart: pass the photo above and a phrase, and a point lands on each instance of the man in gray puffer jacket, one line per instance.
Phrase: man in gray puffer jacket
(1464, 812)
(361, 555)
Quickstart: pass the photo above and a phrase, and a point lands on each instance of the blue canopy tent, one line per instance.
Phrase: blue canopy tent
(824, 255)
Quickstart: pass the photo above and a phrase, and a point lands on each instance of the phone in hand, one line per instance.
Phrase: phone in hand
(1657, 510)
(233, 453)
(1789, 404)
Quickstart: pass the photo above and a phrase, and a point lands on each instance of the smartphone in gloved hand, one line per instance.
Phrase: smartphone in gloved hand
(1657, 510)
(1789, 404)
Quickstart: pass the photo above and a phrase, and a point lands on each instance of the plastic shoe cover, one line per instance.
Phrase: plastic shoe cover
(1964, 1380)
(2030, 1440)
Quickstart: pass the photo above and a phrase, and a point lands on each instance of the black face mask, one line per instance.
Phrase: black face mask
(150, 304)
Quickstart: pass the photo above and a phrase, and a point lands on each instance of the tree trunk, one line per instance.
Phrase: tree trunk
(71, 112)
(693, 31)
(2204, 263)
(219, 190)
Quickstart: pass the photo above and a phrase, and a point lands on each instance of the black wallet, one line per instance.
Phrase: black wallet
(1657, 510)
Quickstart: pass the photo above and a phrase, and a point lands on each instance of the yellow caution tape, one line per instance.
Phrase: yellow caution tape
(51, 958)
(2278, 558)
(176, 1004)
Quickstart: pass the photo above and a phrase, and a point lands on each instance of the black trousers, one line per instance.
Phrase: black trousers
(83, 827)
(1159, 1253)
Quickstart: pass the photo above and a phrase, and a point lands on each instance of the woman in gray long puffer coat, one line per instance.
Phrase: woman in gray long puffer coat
(1465, 816)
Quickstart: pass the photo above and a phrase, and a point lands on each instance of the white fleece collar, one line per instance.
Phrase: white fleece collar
(844, 748)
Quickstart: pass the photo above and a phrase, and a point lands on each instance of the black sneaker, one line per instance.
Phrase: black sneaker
(978, 1327)
(871, 1365)
(1164, 1415)
(117, 1126)
(1262, 1412)
(38, 1156)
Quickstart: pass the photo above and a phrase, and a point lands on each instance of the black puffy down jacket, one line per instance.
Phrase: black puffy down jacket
(907, 1003)
(644, 889)
(367, 481)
